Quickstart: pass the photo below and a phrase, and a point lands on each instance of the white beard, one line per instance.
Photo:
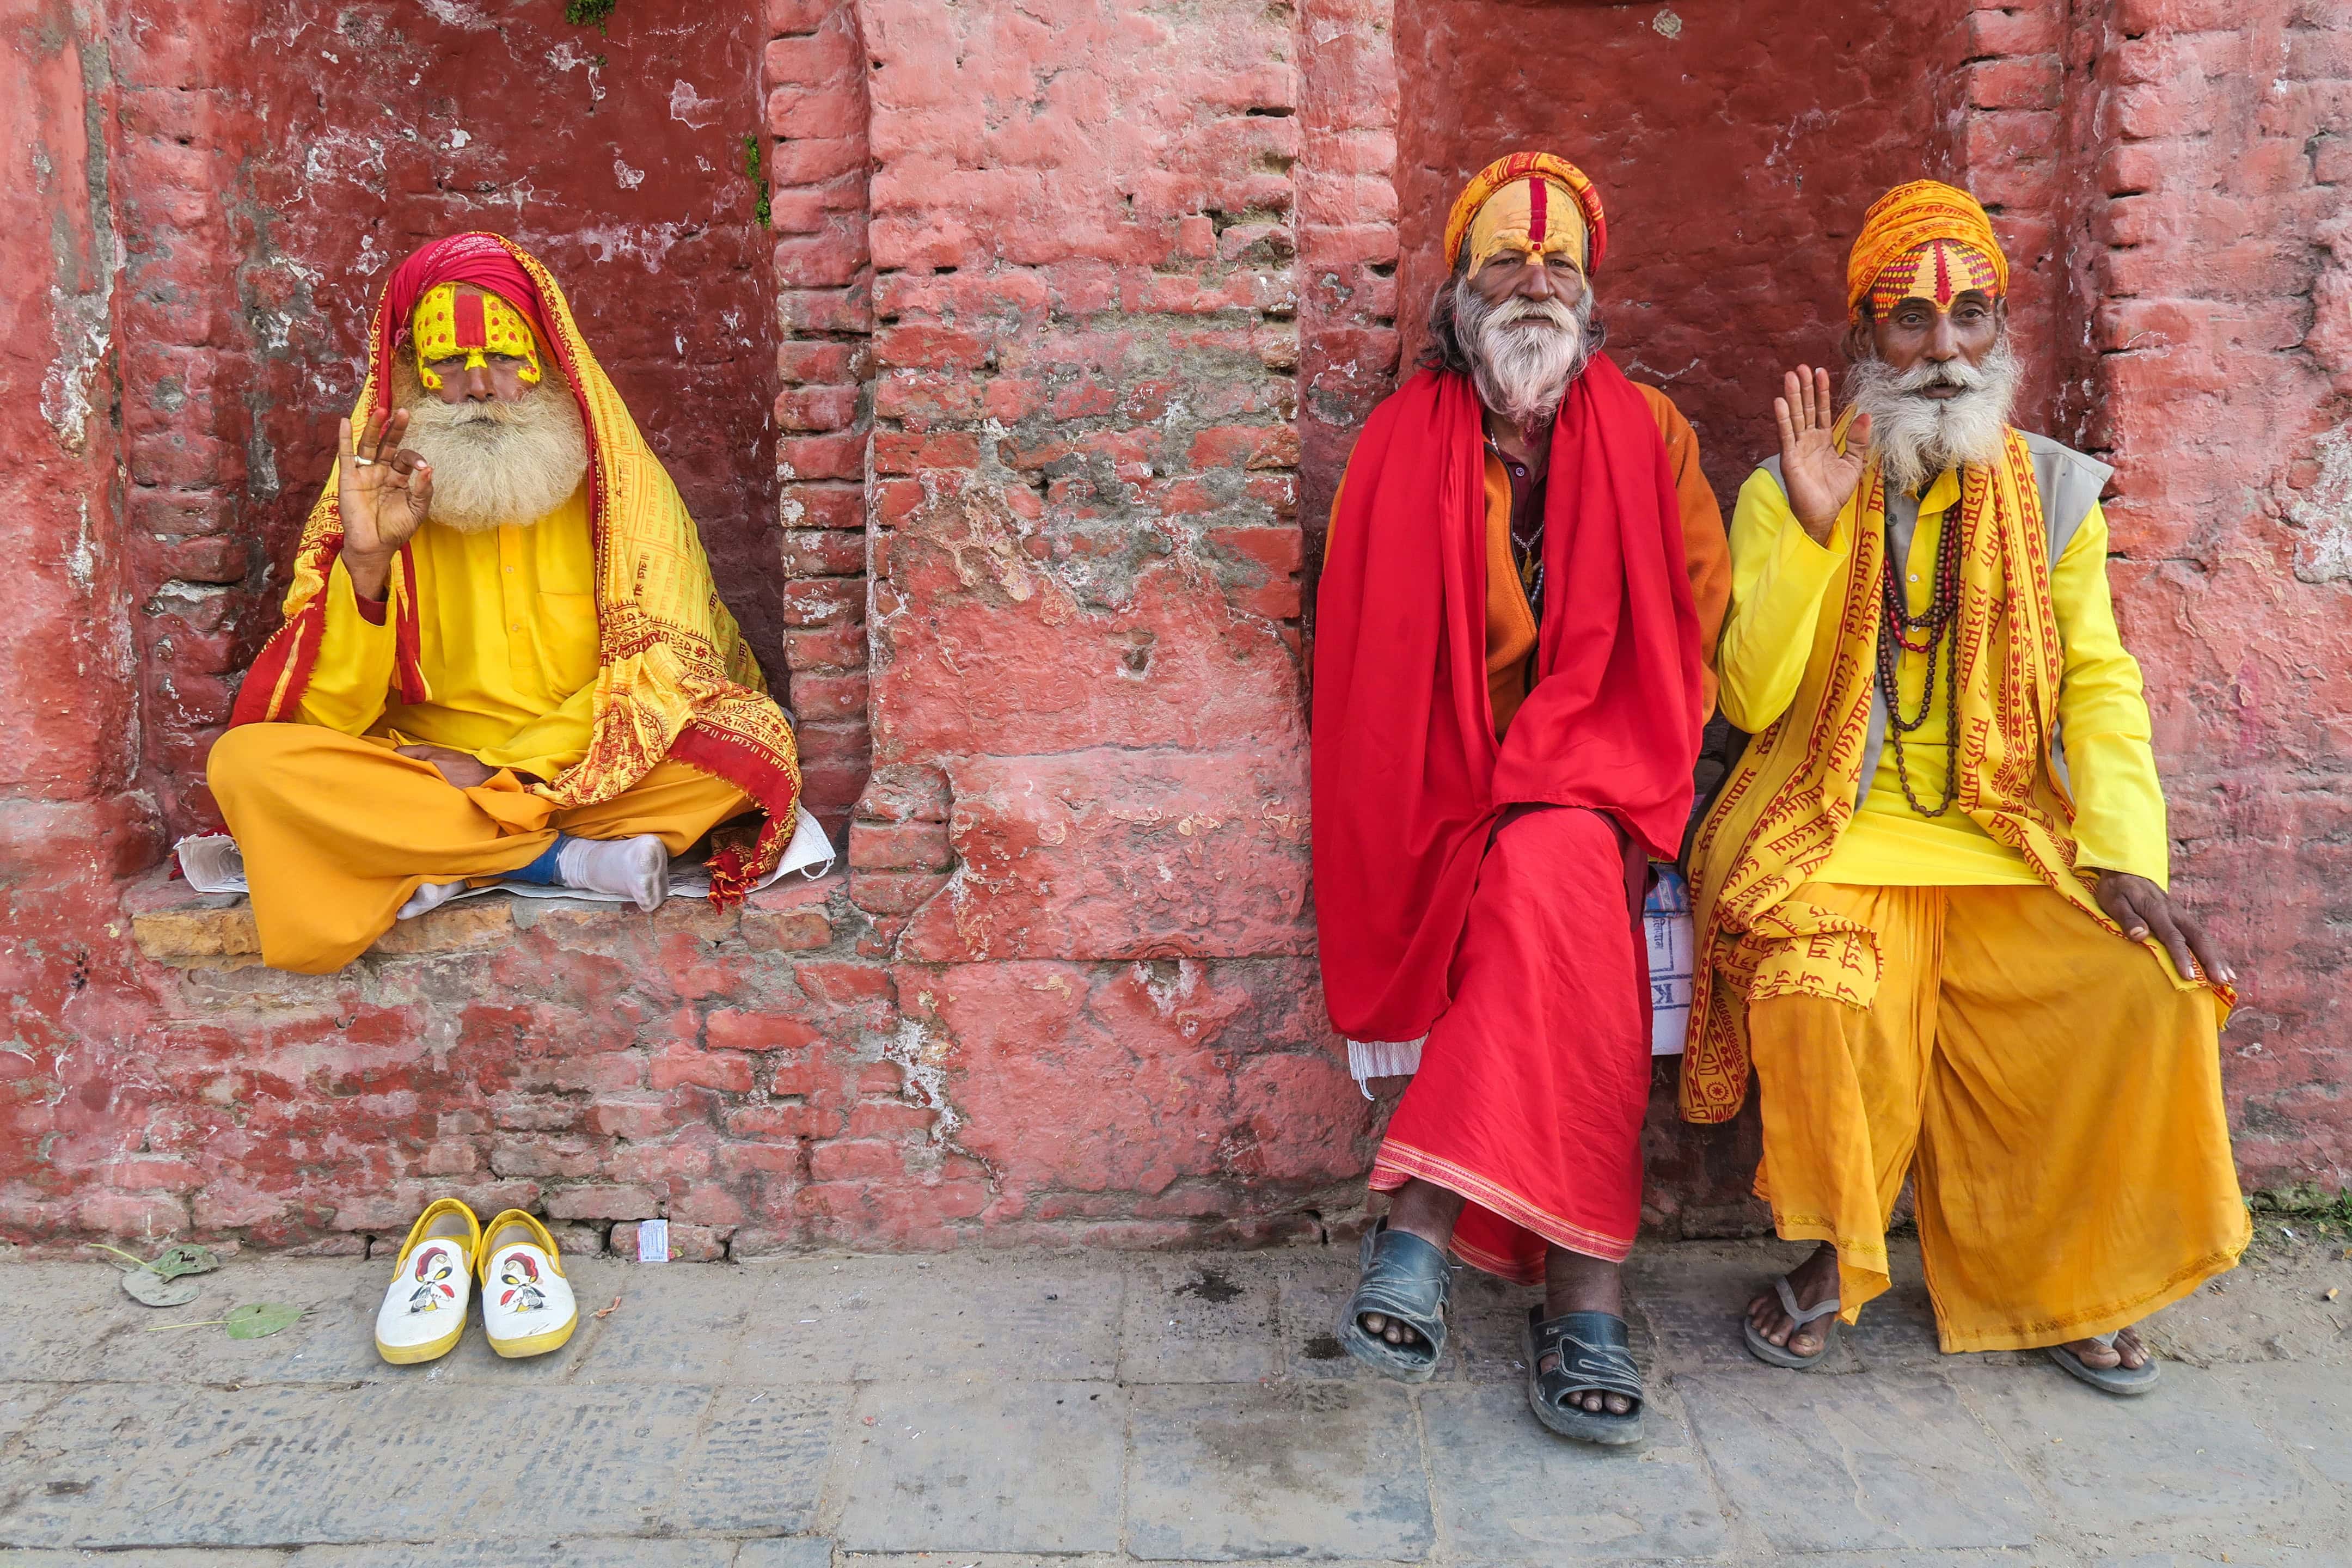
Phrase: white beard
(1917, 437)
(1523, 352)
(495, 463)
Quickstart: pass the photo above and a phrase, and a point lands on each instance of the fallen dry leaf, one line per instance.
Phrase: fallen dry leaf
(609, 1311)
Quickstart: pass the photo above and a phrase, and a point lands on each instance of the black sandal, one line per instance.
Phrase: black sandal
(1408, 1280)
(1593, 1356)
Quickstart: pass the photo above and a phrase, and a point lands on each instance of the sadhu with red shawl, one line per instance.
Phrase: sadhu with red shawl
(1524, 578)
(503, 656)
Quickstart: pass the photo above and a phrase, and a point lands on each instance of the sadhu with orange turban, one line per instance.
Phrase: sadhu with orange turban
(1932, 896)
(502, 658)
(1525, 577)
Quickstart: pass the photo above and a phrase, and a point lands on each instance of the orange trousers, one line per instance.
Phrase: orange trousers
(337, 831)
(2056, 1097)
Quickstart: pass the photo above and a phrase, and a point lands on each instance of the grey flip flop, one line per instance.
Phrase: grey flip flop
(1765, 1350)
(1406, 1278)
(2120, 1380)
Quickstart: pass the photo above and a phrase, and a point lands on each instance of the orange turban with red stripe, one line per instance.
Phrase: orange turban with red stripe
(1912, 218)
(1551, 206)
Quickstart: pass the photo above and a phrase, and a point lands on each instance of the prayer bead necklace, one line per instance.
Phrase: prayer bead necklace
(1900, 632)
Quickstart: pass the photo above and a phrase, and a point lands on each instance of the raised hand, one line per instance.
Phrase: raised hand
(1818, 477)
(2142, 910)
(385, 494)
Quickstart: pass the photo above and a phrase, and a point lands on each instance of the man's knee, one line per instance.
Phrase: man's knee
(251, 761)
(238, 761)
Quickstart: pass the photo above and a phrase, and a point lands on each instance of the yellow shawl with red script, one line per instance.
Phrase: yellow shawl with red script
(1793, 792)
(675, 677)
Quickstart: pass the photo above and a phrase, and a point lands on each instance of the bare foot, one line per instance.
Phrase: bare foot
(1575, 1283)
(1814, 1281)
(2127, 1352)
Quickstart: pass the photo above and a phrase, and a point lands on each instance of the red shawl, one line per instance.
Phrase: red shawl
(1409, 778)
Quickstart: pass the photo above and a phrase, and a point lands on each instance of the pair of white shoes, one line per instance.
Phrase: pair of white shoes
(527, 1304)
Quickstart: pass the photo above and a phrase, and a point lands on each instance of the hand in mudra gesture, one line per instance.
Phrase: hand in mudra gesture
(1818, 477)
(384, 492)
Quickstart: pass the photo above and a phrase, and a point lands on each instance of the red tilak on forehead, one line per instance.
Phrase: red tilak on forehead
(1944, 289)
(1536, 211)
(473, 333)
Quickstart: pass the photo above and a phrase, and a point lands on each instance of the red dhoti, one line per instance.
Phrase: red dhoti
(1533, 1083)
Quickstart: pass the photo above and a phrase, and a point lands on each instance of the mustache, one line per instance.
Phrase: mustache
(1958, 373)
(1518, 307)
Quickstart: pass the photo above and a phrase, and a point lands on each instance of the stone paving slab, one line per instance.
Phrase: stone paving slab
(760, 1461)
(1055, 1316)
(141, 1465)
(1322, 1470)
(553, 1554)
(1509, 1492)
(985, 1465)
(1849, 1463)
(2184, 1466)
(1201, 1322)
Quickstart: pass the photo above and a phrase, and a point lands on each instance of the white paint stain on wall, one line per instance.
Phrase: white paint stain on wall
(691, 108)
(2324, 513)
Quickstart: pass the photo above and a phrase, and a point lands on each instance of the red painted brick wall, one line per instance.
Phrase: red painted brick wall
(1073, 311)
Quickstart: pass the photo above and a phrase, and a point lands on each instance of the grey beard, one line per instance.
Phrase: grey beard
(495, 464)
(1523, 352)
(1916, 439)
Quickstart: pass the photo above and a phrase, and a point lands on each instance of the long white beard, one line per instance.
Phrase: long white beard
(1523, 352)
(1918, 438)
(495, 463)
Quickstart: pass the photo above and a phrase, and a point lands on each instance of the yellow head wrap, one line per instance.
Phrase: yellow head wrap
(455, 319)
(1530, 204)
(1925, 238)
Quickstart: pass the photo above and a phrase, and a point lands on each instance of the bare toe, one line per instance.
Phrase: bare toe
(1374, 1323)
(1619, 1404)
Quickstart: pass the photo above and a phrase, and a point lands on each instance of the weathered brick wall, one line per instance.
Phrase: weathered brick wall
(1073, 309)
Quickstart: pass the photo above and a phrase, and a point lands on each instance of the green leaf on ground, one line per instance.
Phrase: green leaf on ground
(185, 1258)
(150, 1289)
(259, 1319)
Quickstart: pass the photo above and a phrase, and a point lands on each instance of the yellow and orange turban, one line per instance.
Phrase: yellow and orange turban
(472, 322)
(1531, 203)
(1925, 238)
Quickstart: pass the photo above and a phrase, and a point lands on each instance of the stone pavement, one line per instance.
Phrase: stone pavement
(1006, 1409)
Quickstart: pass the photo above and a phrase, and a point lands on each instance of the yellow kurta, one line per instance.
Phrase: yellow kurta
(1780, 580)
(507, 631)
(338, 830)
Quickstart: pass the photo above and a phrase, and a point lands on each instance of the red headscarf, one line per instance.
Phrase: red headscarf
(1409, 778)
(474, 257)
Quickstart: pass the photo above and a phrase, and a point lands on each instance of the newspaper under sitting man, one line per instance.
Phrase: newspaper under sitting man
(503, 656)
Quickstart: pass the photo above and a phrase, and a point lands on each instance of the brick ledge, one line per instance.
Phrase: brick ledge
(173, 924)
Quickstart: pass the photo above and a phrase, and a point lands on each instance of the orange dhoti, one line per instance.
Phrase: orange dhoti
(2057, 1096)
(337, 831)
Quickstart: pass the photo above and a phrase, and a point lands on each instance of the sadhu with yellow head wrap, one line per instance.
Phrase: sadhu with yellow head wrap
(503, 656)
(1525, 576)
(1931, 896)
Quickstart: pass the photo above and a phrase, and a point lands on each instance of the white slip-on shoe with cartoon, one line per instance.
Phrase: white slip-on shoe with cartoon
(527, 1305)
(423, 1311)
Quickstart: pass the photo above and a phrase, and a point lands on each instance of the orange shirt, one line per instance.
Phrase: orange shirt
(1707, 556)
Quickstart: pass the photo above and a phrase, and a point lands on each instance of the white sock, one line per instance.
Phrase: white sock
(429, 896)
(635, 869)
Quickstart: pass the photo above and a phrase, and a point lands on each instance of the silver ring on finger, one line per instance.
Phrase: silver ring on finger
(359, 462)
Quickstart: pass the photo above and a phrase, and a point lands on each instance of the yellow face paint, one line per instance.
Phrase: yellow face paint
(1939, 271)
(1535, 217)
(471, 324)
